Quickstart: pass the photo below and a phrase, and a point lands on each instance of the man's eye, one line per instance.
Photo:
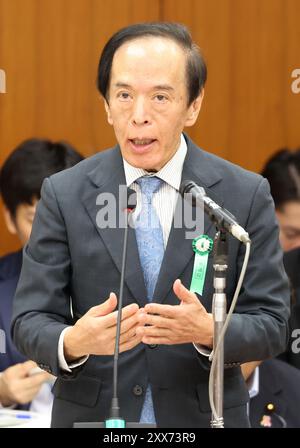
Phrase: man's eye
(123, 96)
(160, 98)
(290, 235)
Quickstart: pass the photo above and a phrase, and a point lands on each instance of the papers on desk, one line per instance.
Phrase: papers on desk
(10, 418)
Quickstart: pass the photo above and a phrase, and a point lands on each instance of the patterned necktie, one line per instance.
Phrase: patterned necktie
(150, 244)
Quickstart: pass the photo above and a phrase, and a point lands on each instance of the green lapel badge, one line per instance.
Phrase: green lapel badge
(202, 246)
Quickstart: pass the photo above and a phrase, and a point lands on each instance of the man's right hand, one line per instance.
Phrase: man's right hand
(18, 385)
(95, 332)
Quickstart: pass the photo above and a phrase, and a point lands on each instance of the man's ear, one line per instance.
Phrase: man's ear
(194, 109)
(107, 109)
(9, 221)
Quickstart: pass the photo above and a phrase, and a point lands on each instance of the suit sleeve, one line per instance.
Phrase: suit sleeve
(42, 301)
(259, 326)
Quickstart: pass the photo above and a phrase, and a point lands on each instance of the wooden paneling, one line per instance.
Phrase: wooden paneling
(251, 48)
(49, 50)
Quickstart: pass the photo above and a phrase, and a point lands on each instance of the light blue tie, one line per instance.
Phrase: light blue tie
(150, 244)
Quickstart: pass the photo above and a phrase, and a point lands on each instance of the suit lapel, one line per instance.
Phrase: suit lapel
(179, 250)
(106, 178)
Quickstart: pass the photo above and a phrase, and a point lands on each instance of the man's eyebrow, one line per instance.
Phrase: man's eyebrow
(289, 228)
(122, 84)
(158, 87)
(163, 87)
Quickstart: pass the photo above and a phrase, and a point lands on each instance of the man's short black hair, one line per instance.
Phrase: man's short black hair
(195, 68)
(282, 171)
(24, 171)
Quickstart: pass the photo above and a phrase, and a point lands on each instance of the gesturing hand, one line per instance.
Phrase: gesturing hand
(95, 332)
(176, 324)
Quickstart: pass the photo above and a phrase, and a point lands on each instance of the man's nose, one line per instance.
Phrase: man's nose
(140, 114)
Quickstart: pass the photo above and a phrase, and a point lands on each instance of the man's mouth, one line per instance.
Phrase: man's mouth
(142, 141)
(141, 145)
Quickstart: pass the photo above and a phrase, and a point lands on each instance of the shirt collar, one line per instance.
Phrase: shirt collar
(253, 383)
(170, 173)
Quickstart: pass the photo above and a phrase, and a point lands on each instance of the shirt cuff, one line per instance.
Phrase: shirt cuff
(203, 350)
(61, 357)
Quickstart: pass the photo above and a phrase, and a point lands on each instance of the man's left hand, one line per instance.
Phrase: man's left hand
(177, 324)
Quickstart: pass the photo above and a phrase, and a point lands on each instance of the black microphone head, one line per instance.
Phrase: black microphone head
(131, 199)
(187, 186)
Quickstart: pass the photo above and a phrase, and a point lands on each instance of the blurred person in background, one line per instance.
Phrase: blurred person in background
(282, 171)
(22, 383)
(274, 394)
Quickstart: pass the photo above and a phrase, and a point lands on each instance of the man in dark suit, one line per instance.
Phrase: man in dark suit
(282, 171)
(151, 77)
(276, 399)
(21, 178)
(292, 266)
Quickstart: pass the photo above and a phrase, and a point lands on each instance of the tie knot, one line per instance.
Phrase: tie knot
(149, 185)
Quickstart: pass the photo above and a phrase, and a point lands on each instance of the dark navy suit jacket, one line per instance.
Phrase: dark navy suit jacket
(10, 268)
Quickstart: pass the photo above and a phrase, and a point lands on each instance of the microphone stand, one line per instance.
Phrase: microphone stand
(220, 265)
(115, 420)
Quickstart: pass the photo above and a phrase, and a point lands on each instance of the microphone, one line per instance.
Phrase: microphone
(115, 421)
(223, 219)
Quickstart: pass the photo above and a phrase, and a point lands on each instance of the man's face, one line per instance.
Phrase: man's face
(21, 223)
(289, 222)
(148, 100)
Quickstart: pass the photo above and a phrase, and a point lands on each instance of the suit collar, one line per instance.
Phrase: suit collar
(109, 169)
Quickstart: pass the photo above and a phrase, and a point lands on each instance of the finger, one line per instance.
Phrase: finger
(168, 311)
(128, 311)
(104, 308)
(183, 293)
(37, 380)
(130, 344)
(28, 365)
(21, 370)
(130, 334)
(156, 320)
(110, 333)
(129, 323)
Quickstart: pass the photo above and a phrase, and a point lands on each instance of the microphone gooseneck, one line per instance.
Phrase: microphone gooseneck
(223, 219)
(115, 420)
